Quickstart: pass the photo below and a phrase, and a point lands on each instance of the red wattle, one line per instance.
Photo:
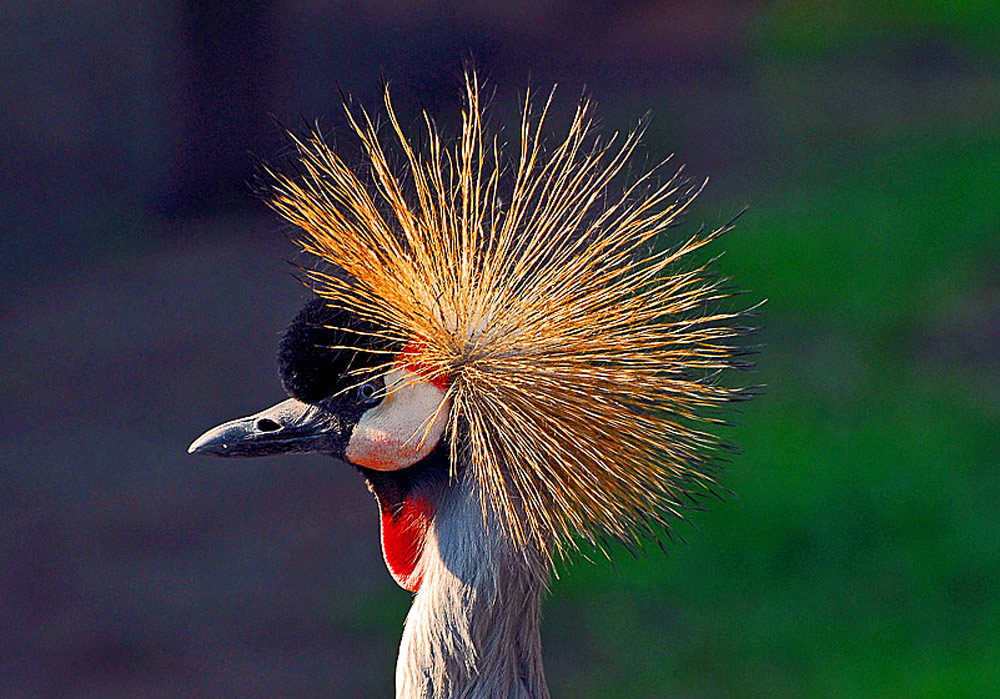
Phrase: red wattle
(403, 535)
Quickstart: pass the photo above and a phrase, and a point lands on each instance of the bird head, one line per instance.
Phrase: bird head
(528, 321)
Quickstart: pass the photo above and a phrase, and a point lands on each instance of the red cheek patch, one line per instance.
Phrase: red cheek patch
(403, 534)
(409, 359)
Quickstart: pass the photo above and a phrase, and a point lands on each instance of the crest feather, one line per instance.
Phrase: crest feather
(582, 361)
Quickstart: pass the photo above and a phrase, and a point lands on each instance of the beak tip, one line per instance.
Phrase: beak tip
(195, 446)
(208, 443)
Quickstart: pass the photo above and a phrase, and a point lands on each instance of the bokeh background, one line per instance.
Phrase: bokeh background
(144, 291)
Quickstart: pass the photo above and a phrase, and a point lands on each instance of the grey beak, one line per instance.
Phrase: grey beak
(290, 427)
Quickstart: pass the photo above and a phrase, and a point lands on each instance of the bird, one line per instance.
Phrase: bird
(516, 352)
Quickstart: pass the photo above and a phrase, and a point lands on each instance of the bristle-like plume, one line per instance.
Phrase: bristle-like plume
(581, 357)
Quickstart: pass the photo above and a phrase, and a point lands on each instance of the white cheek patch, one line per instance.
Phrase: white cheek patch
(402, 429)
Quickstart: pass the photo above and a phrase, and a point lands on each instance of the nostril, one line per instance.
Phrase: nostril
(267, 425)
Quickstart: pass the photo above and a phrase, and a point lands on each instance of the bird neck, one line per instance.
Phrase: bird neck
(473, 629)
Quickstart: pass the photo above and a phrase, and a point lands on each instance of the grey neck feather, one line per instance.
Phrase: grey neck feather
(473, 628)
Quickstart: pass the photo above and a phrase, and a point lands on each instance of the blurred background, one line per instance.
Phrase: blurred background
(144, 291)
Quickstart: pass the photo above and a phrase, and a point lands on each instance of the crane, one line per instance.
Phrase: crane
(516, 359)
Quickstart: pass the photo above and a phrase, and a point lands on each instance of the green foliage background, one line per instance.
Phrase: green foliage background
(862, 556)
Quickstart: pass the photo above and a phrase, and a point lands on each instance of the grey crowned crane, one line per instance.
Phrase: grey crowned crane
(517, 361)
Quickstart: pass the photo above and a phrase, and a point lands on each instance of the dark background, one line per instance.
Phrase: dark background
(144, 290)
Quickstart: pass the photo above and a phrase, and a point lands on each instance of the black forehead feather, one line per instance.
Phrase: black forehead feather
(310, 367)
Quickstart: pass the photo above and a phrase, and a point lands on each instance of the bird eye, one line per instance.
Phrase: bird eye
(370, 392)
